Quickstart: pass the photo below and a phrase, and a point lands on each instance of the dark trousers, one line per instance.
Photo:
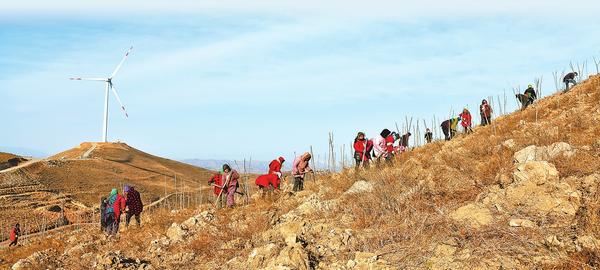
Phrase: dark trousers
(485, 120)
(446, 133)
(360, 162)
(571, 81)
(13, 243)
(112, 223)
(128, 218)
(298, 183)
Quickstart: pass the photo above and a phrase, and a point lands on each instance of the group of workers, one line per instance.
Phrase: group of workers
(115, 204)
(226, 182)
(383, 147)
(111, 208)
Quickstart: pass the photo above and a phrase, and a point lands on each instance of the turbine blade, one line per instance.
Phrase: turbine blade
(121, 63)
(114, 90)
(87, 79)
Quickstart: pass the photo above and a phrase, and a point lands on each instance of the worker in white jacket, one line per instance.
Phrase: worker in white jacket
(380, 146)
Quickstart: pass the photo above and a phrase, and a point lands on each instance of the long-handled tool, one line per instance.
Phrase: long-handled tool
(221, 187)
(221, 192)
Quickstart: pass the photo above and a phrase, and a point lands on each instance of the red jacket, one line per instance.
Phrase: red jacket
(275, 166)
(466, 119)
(14, 233)
(267, 179)
(359, 149)
(389, 143)
(119, 205)
(218, 181)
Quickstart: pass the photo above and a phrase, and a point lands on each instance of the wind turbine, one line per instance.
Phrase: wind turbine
(109, 86)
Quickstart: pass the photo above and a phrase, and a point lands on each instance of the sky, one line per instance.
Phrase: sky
(238, 79)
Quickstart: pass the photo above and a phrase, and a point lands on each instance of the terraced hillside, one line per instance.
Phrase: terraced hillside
(75, 180)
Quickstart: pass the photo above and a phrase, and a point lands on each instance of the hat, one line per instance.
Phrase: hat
(281, 159)
(226, 167)
(385, 132)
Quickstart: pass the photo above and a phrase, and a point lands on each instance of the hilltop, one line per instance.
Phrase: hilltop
(71, 183)
(518, 194)
(8, 160)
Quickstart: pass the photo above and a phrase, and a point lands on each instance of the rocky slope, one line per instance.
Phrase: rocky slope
(519, 194)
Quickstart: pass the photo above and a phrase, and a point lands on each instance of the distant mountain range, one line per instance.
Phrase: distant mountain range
(24, 152)
(257, 166)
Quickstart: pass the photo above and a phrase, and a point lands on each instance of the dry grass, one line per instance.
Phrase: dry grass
(12, 255)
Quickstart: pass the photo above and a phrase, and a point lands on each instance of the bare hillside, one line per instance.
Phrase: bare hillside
(70, 184)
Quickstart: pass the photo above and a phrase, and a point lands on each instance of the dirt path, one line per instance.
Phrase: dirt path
(87, 153)
(24, 164)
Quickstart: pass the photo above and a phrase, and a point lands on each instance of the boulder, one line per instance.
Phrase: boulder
(291, 230)
(588, 243)
(177, 232)
(538, 191)
(543, 153)
(529, 153)
(538, 172)
(261, 255)
(190, 222)
(21, 265)
(293, 257)
(524, 223)
(559, 148)
(553, 242)
(474, 214)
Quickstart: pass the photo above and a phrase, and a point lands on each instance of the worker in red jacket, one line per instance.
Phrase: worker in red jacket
(276, 165)
(275, 168)
(15, 232)
(115, 206)
(362, 150)
(217, 182)
(389, 142)
(466, 120)
(265, 182)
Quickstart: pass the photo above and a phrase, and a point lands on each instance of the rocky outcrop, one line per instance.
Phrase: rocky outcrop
(202, 221)
(536, 191)
(543, 153)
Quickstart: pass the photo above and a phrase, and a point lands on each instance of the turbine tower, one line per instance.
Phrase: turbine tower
(109, 86)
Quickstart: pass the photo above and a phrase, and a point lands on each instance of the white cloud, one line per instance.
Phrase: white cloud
(336, 8)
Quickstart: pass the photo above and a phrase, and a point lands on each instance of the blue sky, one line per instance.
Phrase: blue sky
(234, 79)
